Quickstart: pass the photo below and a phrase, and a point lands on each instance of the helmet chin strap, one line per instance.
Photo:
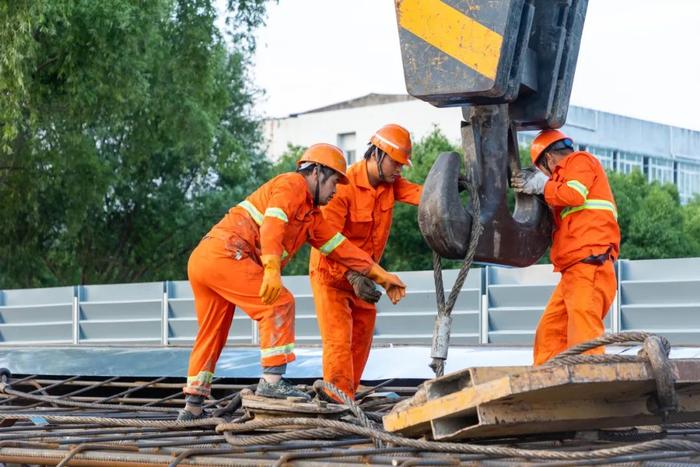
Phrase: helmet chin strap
(317, 194)
(379, 158)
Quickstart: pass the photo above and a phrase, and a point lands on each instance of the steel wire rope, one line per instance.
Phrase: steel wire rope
(444, 314)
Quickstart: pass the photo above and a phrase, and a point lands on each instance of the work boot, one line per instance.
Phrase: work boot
(195, 401)
(280, 390)
(184, 415)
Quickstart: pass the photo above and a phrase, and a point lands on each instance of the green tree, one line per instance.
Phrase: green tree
(655, 228)
(651, 218)
(406, 250)
(127, 131)
(691, 225)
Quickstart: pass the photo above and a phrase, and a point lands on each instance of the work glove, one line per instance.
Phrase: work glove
(363, 287)
(529, 181)
(395, 289)
(272, 279)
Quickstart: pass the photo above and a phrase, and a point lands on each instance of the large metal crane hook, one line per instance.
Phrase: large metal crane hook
(519, 238)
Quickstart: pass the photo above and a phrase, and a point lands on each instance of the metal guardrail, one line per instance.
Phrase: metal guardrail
(662, 296)
(515, 300)
(497, 305)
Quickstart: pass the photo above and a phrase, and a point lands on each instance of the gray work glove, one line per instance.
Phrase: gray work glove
(529, 181)
(363, 286)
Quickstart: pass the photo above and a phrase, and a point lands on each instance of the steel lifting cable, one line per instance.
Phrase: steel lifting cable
(351, 404)
(320, 428)
(137, 422)
(362, 418)
(443, 321)
(228, 429)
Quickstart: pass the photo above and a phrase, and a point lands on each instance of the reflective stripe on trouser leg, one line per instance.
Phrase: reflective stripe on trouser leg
(217, 278)
(276, 330)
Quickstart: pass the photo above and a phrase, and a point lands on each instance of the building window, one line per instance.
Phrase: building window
(660, 170)
(604, 155)
(688, 180)
(347, 142)
(627, 162)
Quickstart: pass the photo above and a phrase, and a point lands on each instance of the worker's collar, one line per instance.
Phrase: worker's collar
(309, 197)
(362, 177)
(563, 161)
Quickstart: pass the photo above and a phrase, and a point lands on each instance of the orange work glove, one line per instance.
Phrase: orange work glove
(395, 289)
(272, 279)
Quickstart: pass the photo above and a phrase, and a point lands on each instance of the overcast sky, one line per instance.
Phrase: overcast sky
(638, 58)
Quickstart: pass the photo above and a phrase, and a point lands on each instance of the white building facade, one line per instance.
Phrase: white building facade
(663, 153)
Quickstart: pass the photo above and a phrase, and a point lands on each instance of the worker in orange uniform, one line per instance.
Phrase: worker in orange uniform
(239, 262)
(362, 211)
(585, 243)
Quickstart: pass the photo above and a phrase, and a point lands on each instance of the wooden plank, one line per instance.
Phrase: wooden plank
(265, 407)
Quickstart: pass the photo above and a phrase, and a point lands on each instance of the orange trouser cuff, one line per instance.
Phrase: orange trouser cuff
(199, 384)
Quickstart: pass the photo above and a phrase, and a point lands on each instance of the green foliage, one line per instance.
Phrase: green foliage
(691, 225)
(652, 221)
(288, 160)
(406, 250)
(126, 132)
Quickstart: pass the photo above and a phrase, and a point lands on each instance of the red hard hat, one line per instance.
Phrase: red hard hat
(328, 156)
(395, 141)
(543, 140)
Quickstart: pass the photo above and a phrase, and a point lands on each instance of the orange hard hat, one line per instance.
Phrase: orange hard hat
(395, 141)
(326, 155)
(545, 139)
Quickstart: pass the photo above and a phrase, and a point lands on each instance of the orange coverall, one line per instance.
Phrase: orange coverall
(585, 218)
(363, 214)
(225, 271)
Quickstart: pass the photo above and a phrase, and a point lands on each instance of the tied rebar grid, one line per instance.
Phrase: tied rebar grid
(127, 421)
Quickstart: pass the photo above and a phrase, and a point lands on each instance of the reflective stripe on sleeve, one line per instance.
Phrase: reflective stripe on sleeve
(599, 204)
(578, 186)
(332, 244)
(277, 213)
(252, 210)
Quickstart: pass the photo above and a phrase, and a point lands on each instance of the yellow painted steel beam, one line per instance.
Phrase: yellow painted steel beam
(452, 404)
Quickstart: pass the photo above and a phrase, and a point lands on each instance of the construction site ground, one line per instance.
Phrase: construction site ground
(119, 418)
